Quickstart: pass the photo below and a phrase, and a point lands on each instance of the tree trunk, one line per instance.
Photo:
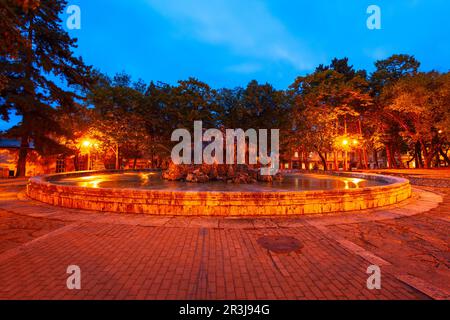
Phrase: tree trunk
(336, 164)
(437, 160)
(360, 158)
(366, 159)
(24, 142)
(429, 159)
(428, 155)
(305, 156)
(398, 160)
(416, 157)
(117, 164)
(152, 158)
(444, 156)
(393, 159)
(389, 157)
(76, 162)
(324, 161)
(22, 161)
(427, 163)
(375, 158)
(419, 163)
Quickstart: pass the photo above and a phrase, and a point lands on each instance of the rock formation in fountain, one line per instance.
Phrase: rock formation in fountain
(239, 174)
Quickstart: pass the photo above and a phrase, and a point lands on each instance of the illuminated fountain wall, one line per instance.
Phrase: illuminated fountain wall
(195, 203)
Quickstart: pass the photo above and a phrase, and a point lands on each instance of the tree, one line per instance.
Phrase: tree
(116, 121)
(32, 91)
(233, 112)
(190, 101)
(392, 69)
(258, 106)
(10, 36)
(159, 123)
(322, 100)
(388, 72)
(265, 106)
(420, 105)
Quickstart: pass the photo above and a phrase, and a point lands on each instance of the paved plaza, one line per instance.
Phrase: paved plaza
(150, 257)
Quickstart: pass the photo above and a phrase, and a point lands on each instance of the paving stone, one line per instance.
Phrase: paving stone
(131, 257)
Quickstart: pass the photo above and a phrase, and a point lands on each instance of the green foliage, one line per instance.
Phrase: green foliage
(42, 55)
(61, 100)
(323, 101)
(382, 130)
(391, 70)
(420, 106)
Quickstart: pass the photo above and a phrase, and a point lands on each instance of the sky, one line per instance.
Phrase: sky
(227, 43)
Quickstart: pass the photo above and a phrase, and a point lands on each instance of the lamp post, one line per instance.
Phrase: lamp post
(345, 145)
(117, 157)
(115, 150)
(355, 143)
(87, 144)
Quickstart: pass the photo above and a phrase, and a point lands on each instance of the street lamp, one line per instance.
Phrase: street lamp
(87, 144)
(345, 144)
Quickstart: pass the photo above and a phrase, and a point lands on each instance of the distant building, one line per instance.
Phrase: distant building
(36, 164)
(83, 159)
(335, 161)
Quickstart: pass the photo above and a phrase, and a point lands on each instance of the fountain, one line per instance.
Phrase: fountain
(221, 191)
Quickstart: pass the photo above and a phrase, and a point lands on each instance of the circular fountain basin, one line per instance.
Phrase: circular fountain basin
(146, 192)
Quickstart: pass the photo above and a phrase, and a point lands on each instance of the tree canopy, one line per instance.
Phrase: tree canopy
(396, 109)
(39, 68)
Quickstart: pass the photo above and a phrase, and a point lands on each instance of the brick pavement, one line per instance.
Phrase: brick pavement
(135, 257)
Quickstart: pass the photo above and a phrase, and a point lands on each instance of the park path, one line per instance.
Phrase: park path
(136, 257)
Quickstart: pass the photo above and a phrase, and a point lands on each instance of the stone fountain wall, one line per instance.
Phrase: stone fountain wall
(220, 203)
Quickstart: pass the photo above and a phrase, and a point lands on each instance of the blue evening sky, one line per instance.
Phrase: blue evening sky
(227, 43)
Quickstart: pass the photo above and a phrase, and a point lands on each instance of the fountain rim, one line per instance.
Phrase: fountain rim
(391, 181)
(218, 203)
